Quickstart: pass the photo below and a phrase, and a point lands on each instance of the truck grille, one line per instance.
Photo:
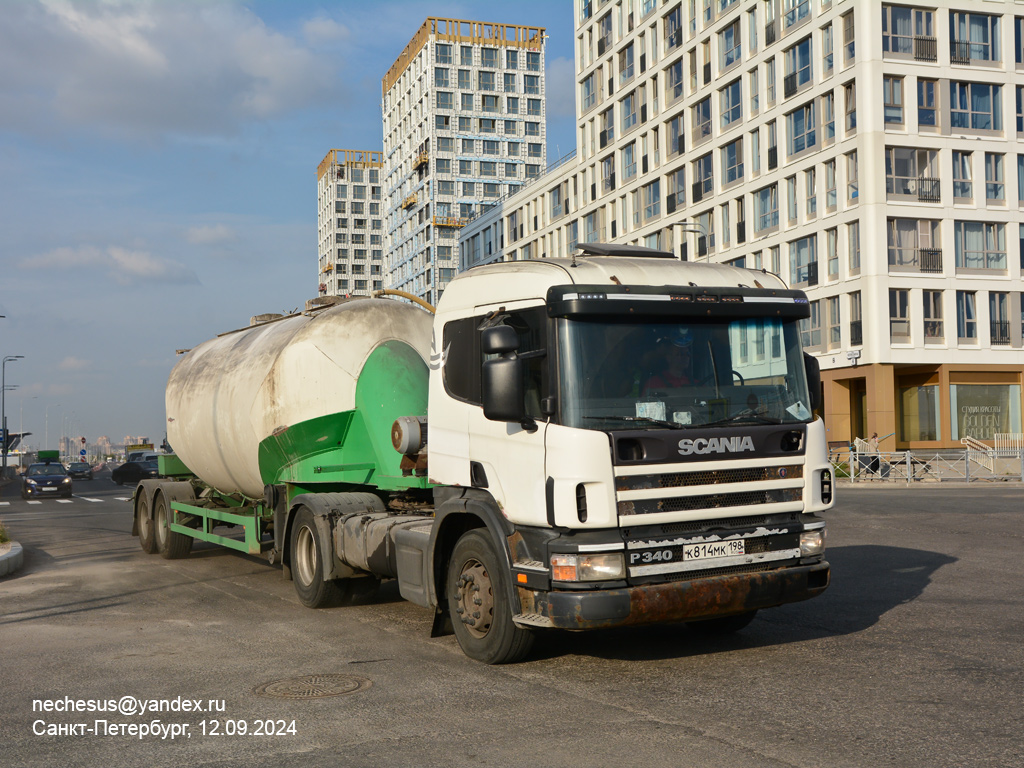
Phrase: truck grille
(709, 501)
(708, 477)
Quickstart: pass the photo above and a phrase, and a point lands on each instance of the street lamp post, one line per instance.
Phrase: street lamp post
(3, 408)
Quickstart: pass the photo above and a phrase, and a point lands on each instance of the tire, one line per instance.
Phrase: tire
(170, 544)
(144, 522)
(479, 605)
(725, 625)
(307, 565)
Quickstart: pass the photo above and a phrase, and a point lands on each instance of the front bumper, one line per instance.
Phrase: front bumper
(674, 601)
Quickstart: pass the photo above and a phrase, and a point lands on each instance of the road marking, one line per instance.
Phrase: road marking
(122, 498)
(86, 498)
(35, 502)
(63, 501)
(5, 503)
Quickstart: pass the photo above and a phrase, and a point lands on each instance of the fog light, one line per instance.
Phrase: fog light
(566, 567)
(812, 543)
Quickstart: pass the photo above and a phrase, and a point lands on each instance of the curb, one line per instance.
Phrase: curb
(13, 560)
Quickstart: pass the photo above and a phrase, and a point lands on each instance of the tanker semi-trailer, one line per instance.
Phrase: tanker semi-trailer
(615, 439)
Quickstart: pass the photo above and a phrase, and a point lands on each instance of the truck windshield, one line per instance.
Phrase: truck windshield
(680, 373)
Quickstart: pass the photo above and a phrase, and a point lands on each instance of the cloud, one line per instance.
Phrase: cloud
(123, 266)
(73, 364)
(146, 68)
(210, 235)
(560, 88)
(322, 31)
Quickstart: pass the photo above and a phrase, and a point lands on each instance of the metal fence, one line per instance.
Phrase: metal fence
(908, 467)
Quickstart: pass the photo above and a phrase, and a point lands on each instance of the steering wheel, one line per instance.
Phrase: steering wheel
(739, 376)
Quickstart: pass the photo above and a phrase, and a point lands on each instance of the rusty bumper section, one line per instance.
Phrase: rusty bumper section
(680, 601)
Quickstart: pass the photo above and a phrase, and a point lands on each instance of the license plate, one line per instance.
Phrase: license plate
(713, 549)
(44, 490)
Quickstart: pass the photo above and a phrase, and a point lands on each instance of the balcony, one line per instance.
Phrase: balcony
(959, 52)
(999, 330)
(926, 48)
(921, 260)
(926, 190)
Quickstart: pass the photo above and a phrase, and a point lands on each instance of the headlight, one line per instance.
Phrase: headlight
(65, 480)
(30, 482)
(812, 543)
(588, 567)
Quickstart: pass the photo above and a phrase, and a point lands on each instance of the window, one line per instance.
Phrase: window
(702, 119)
(732, 161)
(856, 329)
(533, 107)
(834, 325)
(830, 185)
(927, 108)
(491, 147)
(441, 77)
(652, 200)
(488, 169)
(853, 245)
(486, 81)
(703, 177)
(629, 161)
(676, 138)
(892, 99)
(443, 166)
(445, 144)
(674, 29)
(827, 58)
(810, 328)
(850, 99)
(966, 317)
(466, 167)
(511, 59)
(849, 49)
(1020, 108)
(995, 184)
(625, 65)
(803, 261)
(608, 173)
(852, 178)
(999, 317)
(962, 187)
(443, 53)
(729, 45)
(899, 315)
(800, 128)
(755, 152)
(766, 208)
(754, 90)
(731, 106)
(726, 225)
(910, 171)
(798, 67)
(912, 245)
(980, 245)
(832, 252)
(465, 54)
(465, 80)
(794, 11)
(975, 105)
(445, 100)
(769, 76)
(828, 117)
(606, 124)
(465, 124)
(533, 61)
(489, 58)
(909, 32)
(531, 128)
(590, 89)
(531, 84)
(674, 81)
(791, 206)
(933, 316)
(676, 190)
(467, 102)
(627, 107)
(973, 37)
(811, 192)
(487, 125)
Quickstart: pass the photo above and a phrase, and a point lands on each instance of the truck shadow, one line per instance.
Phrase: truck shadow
(868, 581)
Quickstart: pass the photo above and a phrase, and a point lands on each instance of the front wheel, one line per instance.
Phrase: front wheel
(308, 568)
(144, 521)
(479, 605)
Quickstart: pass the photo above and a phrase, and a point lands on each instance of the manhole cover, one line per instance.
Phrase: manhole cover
(313, 686)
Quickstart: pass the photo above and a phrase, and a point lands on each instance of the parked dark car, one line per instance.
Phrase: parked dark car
(133, 471)
(80, 469)
(47, 479)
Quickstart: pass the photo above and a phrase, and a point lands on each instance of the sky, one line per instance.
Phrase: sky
(158, 178)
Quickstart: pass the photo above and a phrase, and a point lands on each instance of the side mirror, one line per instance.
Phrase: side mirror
(813, 371)
(502, 381)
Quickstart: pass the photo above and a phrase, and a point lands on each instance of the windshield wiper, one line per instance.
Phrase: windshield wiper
(644, 419)
(747, 413)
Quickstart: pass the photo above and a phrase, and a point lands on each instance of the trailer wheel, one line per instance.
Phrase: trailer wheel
(308, 568)
(723, 626)
(170, 544)
(144, 523)
(479, 606)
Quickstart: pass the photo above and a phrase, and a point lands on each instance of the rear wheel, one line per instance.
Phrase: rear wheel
(170, 544)
(144, 523)
(723, 626)
(479, 605)
(308, 567)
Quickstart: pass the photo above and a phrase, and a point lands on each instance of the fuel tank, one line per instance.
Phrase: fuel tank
(230, 394)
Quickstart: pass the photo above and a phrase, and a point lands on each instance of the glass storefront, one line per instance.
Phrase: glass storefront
(982, 410)
(919, 413)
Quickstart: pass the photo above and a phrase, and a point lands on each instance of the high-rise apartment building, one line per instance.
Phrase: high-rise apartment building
(464, 125)
(863, 150)
(350, 223)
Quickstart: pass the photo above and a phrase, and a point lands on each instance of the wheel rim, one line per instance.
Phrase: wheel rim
(474, 598)
(145, 521)
(305, 555)
(160, 519)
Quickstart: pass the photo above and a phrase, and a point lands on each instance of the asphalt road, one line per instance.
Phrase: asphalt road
(913, 657)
